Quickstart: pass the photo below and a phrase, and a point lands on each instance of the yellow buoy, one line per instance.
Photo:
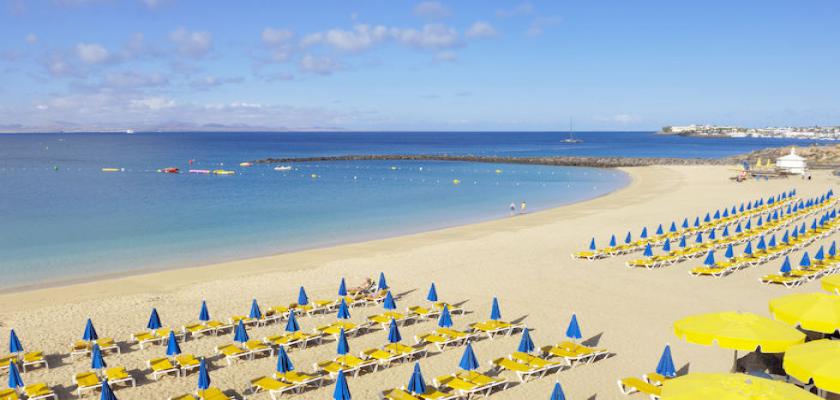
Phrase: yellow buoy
(456, 181)
(498, 171)
(393, 168)
(314, 176)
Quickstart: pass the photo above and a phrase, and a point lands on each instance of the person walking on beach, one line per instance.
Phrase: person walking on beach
(522, 208)
(512, 208)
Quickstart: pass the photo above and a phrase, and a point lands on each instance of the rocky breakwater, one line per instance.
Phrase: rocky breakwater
(597, 162)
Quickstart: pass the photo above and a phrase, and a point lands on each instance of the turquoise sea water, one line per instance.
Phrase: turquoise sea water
(62, 218)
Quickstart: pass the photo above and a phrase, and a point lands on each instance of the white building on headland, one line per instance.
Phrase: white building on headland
(792, 163)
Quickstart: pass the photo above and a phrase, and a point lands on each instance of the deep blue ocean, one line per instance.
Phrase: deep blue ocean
(62, 218)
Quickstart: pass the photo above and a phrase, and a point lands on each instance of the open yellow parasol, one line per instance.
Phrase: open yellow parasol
(831, 284)
(818, 360)
(818, 312)
(700, 386)
(738, 331)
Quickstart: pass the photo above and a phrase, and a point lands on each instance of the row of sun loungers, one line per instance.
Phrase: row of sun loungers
(36, 391)
(89, 381)
(31, 359)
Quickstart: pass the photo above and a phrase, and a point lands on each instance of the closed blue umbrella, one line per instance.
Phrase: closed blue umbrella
(628, 238)
(526, 345)
(772, 242)
(832, 250)
(725, 231)
(761, 245)
(666, 246)
(90, 332)
(15, 380)
(644, 234)
(738, 228)
(613, 242)
(468, 361)
(820, 254)
(648, 251)
(172, 347)
(154, 320)
(557, 393)
(682, 242)
(342, 288)
(573, 331)
(343, 347)
(240, 334)
(97, 362)
(759, 222)
(794, 234)
(725, 212)
(748, 225)
(255, 310)
(707, 218)
(785, 238)
(696, 222)
(666, 364)
(741, 209)
(712, 234)
(730, 252)
(382, 285)
(659, 230)
(389, 303)
(204, 314)
(107, 393)
(416, 385)
(802, 229)
(203, 375)
(805, 261)
(394, 332)
(734, 210)
(292, 324)
(698, 238)
(592, 245)
(685, 223)
(14, 343)
(445, 319)
(717, 214)
(785, 266)
(495, 311)
(342, 391)
(673, 227)
(343, 310)
(748, 249)
(303, 299)
(284, 363)
(710, 259)
(433, 296)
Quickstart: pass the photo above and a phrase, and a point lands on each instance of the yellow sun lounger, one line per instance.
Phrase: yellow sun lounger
(786, 281)
(187, 362)
(522, 371)
(212, 393)
(424, 312)
(632, 385)
(492, 328)
(144, 338)
(334, 329)
(440, 341)
(430, 394)
(118, 375)
(182, 397)
(232, 352)
(8, 394)
(575, 353)
(348, 363)
(383, 357)
(39, 391)
(300, 378)
(453, 309)
(256, 347)
(536, 361)
(272, 386)
(162, 366)
(34, 358)
(86, 381)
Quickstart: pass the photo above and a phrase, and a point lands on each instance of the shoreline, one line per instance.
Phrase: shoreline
(69, 283)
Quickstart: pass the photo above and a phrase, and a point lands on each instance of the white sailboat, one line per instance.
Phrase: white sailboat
(571, 138)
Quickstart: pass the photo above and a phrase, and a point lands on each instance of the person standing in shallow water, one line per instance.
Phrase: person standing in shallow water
(512, 208)
(522, 208)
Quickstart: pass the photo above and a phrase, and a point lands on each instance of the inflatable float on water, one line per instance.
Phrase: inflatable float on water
(113, 169)
(169, 170)
(245, 164)
(283, 168)
(200, 171)
(223, 172)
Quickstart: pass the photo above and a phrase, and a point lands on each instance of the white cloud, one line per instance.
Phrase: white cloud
(211, 81)
(481, 29)
(57, 66)
(91, 53)
(362, 37)
(521, 9)
(130, 79)
(152, 4)
(319, 65)
(280, 43)
(431, 9)
(153, 103)
(539, 24)
(620, 119)
(31, 38)
(193, 44)
(431, 36)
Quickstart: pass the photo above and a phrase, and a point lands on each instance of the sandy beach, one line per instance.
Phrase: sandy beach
(524, 261)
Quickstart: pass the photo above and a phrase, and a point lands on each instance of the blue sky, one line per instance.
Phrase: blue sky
(417, 65)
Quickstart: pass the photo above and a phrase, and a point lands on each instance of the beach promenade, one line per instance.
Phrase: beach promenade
(524, 261)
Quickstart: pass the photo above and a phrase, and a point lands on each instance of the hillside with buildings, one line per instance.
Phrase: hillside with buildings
(810, 132)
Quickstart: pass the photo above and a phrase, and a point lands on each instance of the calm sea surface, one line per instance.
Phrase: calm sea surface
(62, 218)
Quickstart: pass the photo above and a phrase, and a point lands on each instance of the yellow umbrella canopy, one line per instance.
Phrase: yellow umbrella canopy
(831, 283)
(738, 331)
(700, 386)
(818, 360)
(818, 312)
